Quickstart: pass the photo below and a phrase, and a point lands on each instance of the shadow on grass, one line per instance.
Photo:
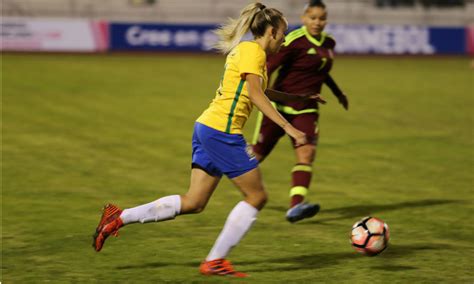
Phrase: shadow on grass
(317, 261)
(156, 264)
(159, 264)
(394, 268)
(311, 261)
(357, 211)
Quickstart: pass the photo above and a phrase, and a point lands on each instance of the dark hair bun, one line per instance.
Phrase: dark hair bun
(261, 6)
(316, 3)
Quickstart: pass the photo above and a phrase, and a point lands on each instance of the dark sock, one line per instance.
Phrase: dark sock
(301, 178)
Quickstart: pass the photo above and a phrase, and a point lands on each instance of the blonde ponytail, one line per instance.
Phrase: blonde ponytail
(231, 34)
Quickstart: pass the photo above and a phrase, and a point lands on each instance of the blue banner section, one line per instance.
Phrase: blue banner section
(351, 39)
(449, 40)
(368, 39)
(161, 37)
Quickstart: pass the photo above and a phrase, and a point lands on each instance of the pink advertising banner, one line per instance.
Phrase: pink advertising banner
(470, 40)
(60, 35)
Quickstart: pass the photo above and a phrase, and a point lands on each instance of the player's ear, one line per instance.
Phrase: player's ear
(274, 32)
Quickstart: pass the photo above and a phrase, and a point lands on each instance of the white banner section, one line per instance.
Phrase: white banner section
(60, 35)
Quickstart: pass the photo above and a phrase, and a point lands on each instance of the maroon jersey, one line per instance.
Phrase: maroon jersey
(305, 64)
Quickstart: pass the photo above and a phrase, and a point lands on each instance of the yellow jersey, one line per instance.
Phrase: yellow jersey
(231, 107)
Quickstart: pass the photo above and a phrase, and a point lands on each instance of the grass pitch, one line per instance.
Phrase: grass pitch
(81, 131)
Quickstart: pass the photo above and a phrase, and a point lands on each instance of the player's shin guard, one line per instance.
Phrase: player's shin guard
(237, 225)
(165, 208)
(301, 179)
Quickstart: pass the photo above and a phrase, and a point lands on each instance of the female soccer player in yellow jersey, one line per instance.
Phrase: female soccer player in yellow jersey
(218, 145)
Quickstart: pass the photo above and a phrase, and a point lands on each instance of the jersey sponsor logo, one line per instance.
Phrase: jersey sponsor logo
(311, 51)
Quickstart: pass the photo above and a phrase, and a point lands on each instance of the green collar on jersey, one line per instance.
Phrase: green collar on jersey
(303, 31)
(313, 39)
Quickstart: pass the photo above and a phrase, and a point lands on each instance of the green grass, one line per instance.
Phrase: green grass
(80, 131)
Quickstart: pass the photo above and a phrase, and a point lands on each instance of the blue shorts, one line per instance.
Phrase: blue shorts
(219, 153)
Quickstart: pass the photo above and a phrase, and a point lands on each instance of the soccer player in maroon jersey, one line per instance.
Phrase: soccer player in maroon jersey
(304, 61)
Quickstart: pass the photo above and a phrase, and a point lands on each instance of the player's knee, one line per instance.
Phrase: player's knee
(258, 199)
(191, 206)
(197, 208)
(306, 155)
(263, 198)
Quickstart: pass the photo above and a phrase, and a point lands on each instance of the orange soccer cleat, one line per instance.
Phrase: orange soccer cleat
(109, 224)
(220, 267)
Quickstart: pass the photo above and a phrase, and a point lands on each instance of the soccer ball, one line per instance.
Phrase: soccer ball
(370, 236)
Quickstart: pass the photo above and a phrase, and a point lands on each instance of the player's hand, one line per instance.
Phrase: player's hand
(318, 98)
(343, 101)
(300, 137)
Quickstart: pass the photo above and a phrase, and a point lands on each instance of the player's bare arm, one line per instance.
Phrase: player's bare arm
(259, 99)
(341, 97)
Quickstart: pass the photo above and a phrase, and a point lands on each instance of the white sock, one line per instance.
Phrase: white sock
(165, 208)
(238, 223)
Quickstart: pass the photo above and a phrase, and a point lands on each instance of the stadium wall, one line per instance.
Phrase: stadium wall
(80, 35)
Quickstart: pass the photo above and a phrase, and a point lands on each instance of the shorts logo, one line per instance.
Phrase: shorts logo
(250, 152)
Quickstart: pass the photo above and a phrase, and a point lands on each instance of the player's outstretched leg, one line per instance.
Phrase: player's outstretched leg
(166, 208)
(113, 218)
